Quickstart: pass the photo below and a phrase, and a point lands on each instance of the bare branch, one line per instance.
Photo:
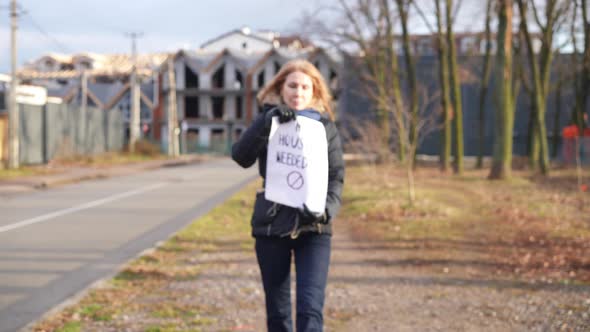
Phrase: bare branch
(423, 16)
(535, 14)
(456, 11)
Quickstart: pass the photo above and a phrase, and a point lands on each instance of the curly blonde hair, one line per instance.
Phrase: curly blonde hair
(322, 98)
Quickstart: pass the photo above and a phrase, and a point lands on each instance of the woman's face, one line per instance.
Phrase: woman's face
(297, 91)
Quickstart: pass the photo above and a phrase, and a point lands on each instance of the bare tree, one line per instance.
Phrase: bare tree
(363, 136)
(455, 89)
(540, 65)
(424, 123)
(443, 70)
(403, 9)
(502, 158)
(368, 28)
(483, 90)
(394, 77)
(448, 80)
(581, 62)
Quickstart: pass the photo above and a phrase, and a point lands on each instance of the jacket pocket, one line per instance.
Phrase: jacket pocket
(265, 211)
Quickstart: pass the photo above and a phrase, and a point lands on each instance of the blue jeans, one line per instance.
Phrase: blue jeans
(312, 259)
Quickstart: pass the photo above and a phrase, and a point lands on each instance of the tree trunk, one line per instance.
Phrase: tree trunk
(540, 75)
(484, 84)
(403, 7)
(382, 111)
(534, 137)
(393, 71)
(456, 90)
(379, 63)
(502, 158)
(411, 185)
(443, 70)
(556, 119)
(582, 81)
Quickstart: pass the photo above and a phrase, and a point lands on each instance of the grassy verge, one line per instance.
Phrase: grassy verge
(6, 174)
(527, 229)
(62, 165)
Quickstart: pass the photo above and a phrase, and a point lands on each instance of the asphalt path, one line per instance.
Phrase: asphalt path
(55, 243)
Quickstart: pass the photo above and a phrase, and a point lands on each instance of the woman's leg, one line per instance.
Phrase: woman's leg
(274, 260)
(312, 260)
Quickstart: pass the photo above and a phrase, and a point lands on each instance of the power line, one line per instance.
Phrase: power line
(135, 120)
(93, 20)
(62, 46)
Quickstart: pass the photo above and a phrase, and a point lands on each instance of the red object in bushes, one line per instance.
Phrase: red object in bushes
(570, 131)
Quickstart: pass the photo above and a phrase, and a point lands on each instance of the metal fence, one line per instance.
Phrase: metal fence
(60, 131)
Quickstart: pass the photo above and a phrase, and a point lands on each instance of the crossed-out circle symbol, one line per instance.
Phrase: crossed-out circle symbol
(295, 180)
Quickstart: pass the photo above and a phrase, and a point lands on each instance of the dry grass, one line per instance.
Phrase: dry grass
(63, 164)
(528, 227)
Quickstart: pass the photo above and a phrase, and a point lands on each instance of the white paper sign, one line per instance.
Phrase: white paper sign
(297, 164)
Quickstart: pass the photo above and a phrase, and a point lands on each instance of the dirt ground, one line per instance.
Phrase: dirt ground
(373, 286)
(479, 256)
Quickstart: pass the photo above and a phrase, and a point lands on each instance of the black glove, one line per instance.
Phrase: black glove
(284, 113)
(309, 217)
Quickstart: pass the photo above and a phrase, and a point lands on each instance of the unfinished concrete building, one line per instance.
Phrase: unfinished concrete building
(216, 90)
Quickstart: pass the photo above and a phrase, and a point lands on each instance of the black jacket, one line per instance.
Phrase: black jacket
(273, 219)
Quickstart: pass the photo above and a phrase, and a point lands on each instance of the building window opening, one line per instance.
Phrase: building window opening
(191, 107)
(191, 80)
(218, 140)
(333, 80)
(277, 67)
(192, 133)
(239, 79)
(260, 79)
(333, 75)
(239, 107)
(218, 80)
(218, 107)
(66, 66)
(237, 134)
(192, 140)
(85, 65)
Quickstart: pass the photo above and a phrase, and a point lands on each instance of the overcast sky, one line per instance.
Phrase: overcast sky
(74, 26)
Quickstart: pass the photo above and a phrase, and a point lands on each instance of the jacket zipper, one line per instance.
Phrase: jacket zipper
(295, 231)
(271, 212)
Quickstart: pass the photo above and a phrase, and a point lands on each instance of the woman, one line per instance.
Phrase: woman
(281, 231)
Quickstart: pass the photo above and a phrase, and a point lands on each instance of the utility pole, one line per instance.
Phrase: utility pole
(172, 115)
(13, 111)
(135, 116)
(84, 108)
